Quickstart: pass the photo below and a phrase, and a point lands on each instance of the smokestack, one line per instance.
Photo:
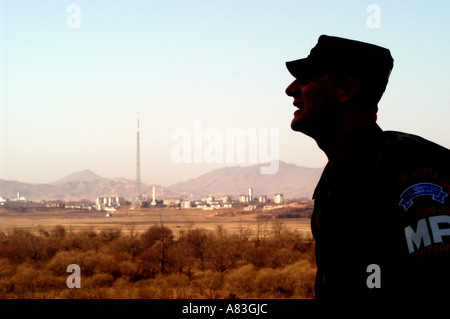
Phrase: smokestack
(250, 194)
(154, 196)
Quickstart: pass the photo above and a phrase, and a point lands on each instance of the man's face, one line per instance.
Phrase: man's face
(317, 102)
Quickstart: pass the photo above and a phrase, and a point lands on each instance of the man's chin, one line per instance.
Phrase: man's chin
(302, 127)
(296, 125)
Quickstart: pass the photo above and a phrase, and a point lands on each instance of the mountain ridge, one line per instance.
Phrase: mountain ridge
(290, 180)
(81, 176)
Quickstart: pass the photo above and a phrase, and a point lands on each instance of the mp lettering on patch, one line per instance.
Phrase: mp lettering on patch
(421, 189)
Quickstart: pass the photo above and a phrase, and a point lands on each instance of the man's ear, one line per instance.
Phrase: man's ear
(349, 90)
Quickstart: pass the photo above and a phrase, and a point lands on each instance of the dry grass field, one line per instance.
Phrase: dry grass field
(137, 221)
(155, 253)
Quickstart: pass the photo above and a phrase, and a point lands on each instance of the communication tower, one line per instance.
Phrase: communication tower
(138, 186)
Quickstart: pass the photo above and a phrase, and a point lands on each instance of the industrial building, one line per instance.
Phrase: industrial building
(108, 202)
(278, 199)
(172, 202)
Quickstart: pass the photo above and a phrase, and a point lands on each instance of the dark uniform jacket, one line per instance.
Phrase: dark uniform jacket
(381, 221)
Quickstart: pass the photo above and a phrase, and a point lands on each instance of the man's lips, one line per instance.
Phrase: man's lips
(298, 112)
(299, 105)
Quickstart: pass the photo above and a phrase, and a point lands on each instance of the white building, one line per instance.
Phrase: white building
(186, 204)
(172, 202)
(226, 199)
(199, 203)
(3, 201)
(214, 204)
(262, 198)
(243, 199)
(19, 198)
(278, 199)
(107, 202)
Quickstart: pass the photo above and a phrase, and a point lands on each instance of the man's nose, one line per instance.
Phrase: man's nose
(292, 89)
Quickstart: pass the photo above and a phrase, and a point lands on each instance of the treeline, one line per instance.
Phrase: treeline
(155, 264)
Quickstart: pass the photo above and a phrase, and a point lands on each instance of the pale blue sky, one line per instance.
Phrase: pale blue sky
(70, 96)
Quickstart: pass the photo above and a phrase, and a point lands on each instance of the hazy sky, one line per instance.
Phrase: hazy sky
(74, 78)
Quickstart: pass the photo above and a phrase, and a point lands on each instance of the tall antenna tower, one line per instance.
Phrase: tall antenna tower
(138, 187)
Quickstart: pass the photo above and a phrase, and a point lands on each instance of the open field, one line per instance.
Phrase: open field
(137, 221)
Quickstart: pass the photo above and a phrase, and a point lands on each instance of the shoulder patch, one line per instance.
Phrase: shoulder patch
(421, 189)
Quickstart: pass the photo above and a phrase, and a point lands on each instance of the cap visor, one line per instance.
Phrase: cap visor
(299, 68)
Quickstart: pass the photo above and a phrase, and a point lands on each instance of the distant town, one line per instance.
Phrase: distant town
(113, 203)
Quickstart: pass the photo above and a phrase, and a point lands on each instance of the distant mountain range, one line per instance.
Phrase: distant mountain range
(76, 186)
(291, 180)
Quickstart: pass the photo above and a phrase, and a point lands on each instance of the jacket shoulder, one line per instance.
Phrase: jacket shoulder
(410, 147)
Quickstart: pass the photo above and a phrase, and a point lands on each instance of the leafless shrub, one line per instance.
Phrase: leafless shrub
(209, 284)
(58, 231)
(277, 263)
(110, 234)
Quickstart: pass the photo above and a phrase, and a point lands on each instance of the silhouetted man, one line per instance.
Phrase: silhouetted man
(381, 208)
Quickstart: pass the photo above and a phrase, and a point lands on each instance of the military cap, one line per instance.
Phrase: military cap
(342, 56)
